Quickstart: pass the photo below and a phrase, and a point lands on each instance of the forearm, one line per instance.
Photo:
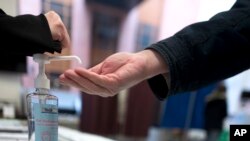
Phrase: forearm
(30, 33)
(206, 52)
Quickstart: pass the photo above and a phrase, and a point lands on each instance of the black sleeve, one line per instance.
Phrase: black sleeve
(205, 52)
(25, 35)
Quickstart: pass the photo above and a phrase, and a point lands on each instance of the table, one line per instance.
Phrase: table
(16, 130)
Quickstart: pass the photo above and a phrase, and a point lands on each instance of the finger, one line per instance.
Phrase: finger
(101, 80)
(65, 39)
(92, 87)
(62, 78)
(65, 78)
(97, 68)
(69, 82)
(86, 85)
(64, 35)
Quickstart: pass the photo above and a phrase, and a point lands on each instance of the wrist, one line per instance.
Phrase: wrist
(154, 63)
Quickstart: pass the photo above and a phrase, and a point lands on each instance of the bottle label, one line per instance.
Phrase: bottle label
(46, 122)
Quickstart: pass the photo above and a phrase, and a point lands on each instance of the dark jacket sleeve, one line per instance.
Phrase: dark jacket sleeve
(25, 35)
(205, 52)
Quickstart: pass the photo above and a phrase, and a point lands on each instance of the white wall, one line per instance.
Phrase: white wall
(209, 8)
(127, 38)
(176, 15)
(10, 7)
(81, 32)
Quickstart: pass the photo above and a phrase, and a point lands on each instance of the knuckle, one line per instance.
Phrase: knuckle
(52, 12)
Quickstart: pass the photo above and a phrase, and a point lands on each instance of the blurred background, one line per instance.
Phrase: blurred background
(99, 28)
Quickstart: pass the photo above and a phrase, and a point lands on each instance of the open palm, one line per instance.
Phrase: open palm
(117, 72)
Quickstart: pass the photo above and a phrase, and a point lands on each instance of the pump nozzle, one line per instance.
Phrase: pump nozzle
(41, 80)
(58, 58)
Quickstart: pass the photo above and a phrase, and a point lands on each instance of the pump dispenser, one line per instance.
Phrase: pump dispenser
(42, 81)
(42, 107)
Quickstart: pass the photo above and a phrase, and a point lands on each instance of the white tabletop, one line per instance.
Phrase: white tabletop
(67, 134)
(15, 130)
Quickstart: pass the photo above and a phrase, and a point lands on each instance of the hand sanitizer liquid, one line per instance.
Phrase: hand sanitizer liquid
(43, 116)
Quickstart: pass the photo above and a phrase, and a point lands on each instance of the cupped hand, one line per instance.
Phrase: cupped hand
(117, 72)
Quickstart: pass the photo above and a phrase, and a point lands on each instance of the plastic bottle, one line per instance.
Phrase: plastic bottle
(42, 107)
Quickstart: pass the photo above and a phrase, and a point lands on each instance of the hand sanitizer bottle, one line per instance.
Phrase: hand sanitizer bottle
(42, 107)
